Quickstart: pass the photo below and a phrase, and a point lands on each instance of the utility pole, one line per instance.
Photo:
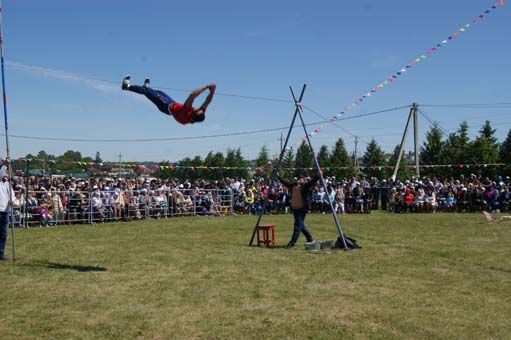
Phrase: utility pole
(120, 165)
(411, 116)
(355, 161)
(416, 138)
(281, 141)
(27, 179)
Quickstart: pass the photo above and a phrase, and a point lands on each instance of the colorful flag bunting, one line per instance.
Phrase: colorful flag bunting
(422, 57)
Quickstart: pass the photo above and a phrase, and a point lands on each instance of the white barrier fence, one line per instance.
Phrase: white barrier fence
(46, 208)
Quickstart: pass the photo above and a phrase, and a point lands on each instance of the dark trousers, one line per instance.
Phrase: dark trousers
(159, 98)
(384, 200)
(300, 227)
(4, 228)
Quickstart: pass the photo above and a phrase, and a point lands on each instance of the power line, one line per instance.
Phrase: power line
(76, 76)
(197, 137)
(504, 105)
(340, 127)
(434, 123)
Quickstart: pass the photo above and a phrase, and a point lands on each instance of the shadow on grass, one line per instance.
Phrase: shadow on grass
(65, 266)
(76, 267)
(255, 246)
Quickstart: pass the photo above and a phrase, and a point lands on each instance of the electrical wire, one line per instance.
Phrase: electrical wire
(334, 124)
(433, 123)
(76, 76)
(197, 137)
(504, 105)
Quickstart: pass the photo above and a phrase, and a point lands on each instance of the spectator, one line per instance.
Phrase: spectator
(430, 201)
(339, 200)
(6, 198)
(450, 202)
(408, 200)
(57, 208)
(420, 200)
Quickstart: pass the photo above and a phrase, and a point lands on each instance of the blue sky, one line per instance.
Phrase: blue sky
(341, 49)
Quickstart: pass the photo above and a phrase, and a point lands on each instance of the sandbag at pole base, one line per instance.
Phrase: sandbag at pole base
(350, 243)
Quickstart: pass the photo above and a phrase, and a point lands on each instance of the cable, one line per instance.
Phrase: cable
(504, 105)
(434, 123)
(196, 137)
(324, 117)
(76, 76)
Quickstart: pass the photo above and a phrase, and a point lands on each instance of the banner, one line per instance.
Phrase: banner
(405, 69)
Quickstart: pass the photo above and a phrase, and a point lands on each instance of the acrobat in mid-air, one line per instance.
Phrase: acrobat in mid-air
(184, 113)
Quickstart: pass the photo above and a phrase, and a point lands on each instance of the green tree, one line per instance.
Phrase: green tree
(324, 159)
(98, 159)
(488, 132)
(432, 150)
(68, 162)
(43, 155)
(403, 171)
(340, 158)
(213, 162)
(374, 157)
(241, 163)
(304, 160)
(71, 156)
(167, 171)
(456, 150)
(288, 164)
(505, 153)
(262, 162)
(263, 157)
(484, 149)
(230, 162)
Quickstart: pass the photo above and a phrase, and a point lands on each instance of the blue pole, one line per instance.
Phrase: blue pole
(11, 219)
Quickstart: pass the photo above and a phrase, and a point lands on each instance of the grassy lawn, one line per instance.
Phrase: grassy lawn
(418, 276)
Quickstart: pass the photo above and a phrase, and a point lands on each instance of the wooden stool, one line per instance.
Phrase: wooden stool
(265, 228)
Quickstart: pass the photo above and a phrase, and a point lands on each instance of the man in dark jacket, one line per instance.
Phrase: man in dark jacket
(299, 191)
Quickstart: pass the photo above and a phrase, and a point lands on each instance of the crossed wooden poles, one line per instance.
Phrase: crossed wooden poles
(298, 113)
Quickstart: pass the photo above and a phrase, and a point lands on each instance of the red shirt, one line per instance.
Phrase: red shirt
(181, 113)
(409, 197)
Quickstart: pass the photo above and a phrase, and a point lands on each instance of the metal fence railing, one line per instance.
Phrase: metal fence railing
(46, 208)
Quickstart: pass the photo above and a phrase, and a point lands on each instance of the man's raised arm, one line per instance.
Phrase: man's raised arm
(195, 93)
(209, 98)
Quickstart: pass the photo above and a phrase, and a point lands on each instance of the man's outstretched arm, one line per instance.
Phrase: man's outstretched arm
(195, 93)
(209, 98)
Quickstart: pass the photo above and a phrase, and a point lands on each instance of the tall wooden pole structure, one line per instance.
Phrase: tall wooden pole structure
(298, 113)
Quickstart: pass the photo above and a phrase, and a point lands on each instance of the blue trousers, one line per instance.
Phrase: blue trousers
(299, 227)
(4, 228)
(159, 98)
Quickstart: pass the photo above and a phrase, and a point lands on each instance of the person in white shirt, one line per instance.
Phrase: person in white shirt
(6, 199)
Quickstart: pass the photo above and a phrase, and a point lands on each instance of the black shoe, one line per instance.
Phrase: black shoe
(126, 82)
(290, 246)
(147, 82)
(3, 258)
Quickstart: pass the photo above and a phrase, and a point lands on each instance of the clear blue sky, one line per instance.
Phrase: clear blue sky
(341, 49)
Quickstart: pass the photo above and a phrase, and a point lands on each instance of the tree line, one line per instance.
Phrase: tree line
(438, 149)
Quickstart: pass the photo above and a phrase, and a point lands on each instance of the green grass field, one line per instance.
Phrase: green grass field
(418, 276)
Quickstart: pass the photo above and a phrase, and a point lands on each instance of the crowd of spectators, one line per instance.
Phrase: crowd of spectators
(361, 195)
(49, 201)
